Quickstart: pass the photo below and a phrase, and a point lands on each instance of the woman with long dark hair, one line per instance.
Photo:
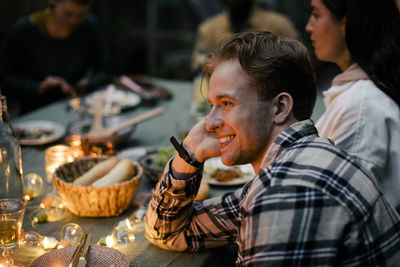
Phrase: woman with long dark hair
(362, 107)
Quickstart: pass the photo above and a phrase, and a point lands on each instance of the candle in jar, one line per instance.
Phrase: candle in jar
(56, 156)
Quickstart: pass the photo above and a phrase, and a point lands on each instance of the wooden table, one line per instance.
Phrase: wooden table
(153, 133)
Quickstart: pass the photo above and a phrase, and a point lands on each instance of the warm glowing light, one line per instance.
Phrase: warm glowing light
(131, 237)
(49, 242)
(109, 241)
(128, 224)
(45, 242)
(56, 156)
(42, 206)
(27, 197)
(60, 246)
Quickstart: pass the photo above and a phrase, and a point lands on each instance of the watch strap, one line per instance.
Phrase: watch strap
(184, 154)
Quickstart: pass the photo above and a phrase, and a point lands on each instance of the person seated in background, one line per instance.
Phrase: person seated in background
(238, 16)
(362, 107)
(53, 53)
(310, 204)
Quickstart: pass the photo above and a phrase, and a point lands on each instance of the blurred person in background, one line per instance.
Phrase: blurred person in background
(362, 107)
(238, 16)
(53, 53)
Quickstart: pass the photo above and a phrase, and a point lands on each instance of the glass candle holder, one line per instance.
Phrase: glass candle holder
(56, 156)
(76, 143)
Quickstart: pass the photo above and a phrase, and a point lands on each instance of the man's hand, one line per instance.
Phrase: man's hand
(53, 82)
(200, 143)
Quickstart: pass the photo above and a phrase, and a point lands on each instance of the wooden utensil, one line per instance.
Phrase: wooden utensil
(97, 125)
(100, 134)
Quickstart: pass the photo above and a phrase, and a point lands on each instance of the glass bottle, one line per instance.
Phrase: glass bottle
(11, 175)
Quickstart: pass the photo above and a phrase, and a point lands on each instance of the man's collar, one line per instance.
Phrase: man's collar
(287, 138)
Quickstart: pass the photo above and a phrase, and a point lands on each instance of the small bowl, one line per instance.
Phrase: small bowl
(82, 127)
(88, 201)
(147, 162)
(96, 256)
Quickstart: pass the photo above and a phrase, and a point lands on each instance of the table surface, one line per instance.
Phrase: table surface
(152, 133)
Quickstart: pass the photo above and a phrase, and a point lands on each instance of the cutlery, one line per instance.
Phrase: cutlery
(126, 81)
(82, 259)
(76, 252)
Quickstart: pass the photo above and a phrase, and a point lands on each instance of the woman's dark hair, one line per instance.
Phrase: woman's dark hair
(274, 64)
(373, 39)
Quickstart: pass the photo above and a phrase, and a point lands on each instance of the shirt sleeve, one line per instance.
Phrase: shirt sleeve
(175, 222)
(291, 226)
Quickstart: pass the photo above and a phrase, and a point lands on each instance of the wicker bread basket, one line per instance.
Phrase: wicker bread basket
(88, 201)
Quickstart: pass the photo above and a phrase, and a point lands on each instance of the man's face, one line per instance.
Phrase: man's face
(240, 120)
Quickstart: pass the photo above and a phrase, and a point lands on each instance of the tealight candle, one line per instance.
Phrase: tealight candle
(75, 144)
(56, 156)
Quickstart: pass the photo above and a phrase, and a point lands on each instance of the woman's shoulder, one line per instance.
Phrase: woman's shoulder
(357, 92)
(373, 97)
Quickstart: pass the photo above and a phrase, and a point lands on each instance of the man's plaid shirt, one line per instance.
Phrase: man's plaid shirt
(310, 204)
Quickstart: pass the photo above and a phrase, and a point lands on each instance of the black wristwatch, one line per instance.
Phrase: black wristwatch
(184, 154)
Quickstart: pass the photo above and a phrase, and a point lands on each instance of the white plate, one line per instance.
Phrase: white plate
(247, 173)
(57, 131)
(133, 153)
(121, 100)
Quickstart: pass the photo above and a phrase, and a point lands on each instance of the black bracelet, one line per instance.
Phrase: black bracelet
(184, 154)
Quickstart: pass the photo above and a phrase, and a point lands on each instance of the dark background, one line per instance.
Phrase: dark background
(153, 37)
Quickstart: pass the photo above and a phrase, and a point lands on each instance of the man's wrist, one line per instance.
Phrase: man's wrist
(185, 153)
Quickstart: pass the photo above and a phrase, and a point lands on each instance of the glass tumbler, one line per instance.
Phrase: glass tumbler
(11, 217)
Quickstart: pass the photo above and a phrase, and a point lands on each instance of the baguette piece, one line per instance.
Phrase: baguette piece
(96, 172)
(121, 172)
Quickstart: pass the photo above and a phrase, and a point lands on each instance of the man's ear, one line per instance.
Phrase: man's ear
(283, 107)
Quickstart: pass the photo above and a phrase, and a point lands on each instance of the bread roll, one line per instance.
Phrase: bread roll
(204, 191)
(96, 172)
(121, 172)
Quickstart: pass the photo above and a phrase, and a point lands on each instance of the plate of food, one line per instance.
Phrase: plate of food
(216, 173)
(154, 161)
(38, 132)
(120, 100)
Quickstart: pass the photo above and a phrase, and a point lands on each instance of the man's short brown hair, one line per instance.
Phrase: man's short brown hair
(274, 64)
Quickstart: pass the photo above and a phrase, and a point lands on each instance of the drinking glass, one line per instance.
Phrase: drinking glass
(11, 216)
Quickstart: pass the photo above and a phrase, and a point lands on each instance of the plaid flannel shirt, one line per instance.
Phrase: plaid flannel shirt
(310, 204)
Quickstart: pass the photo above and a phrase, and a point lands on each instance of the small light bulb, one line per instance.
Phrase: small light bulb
(110, 241)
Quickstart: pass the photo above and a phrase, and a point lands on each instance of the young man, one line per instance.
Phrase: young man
(310, 203)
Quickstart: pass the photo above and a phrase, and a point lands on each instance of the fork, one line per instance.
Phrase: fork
(82, 259)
